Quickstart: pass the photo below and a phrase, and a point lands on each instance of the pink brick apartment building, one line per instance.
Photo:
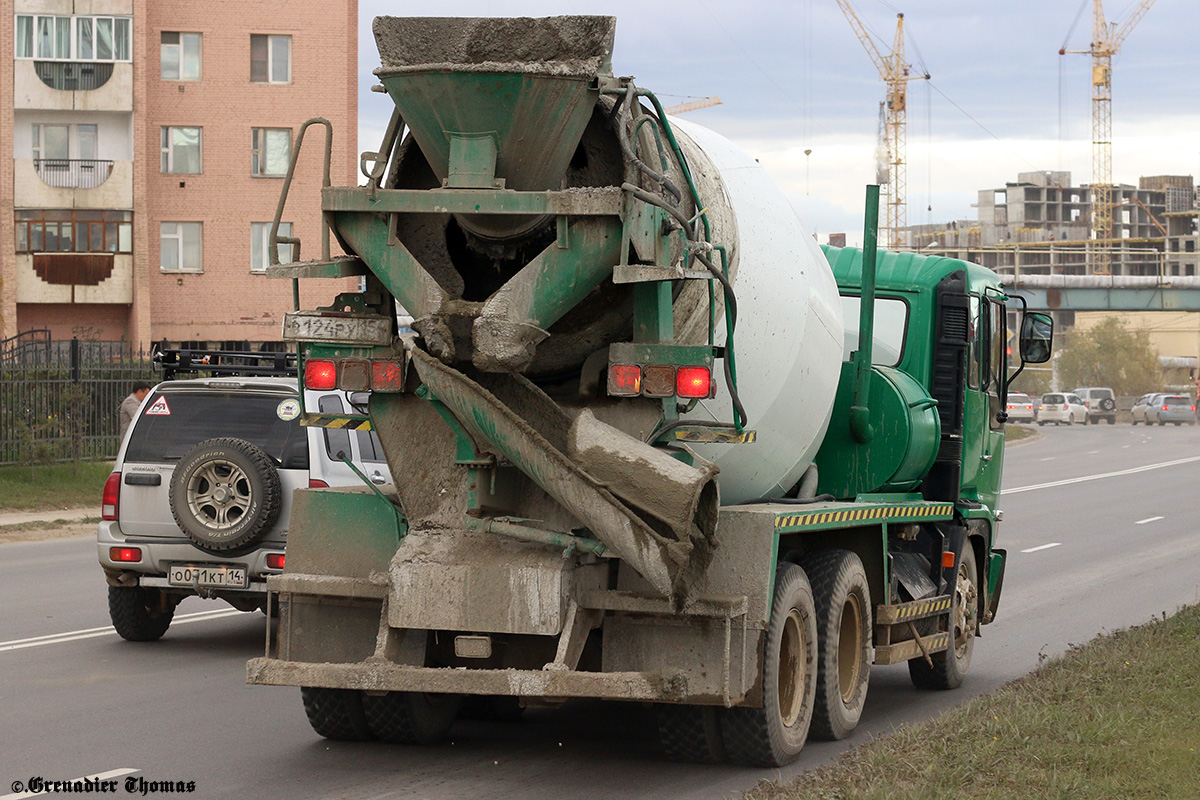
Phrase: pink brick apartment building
(149, 141)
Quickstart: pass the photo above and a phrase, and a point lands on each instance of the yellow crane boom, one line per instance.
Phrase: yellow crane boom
(692, 105)
(895, 73)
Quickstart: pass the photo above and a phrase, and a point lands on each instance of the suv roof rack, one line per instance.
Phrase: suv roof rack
(174, 362)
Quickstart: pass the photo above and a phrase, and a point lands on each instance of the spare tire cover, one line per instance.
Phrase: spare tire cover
(225, 495)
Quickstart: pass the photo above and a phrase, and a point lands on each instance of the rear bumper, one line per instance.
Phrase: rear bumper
(158, 555)
(658, 686)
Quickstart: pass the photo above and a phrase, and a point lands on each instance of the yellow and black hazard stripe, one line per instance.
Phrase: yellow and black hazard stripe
(338, 421)
(815, 518)
(914, 609)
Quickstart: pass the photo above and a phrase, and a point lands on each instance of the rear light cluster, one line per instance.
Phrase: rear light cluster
(111, 497)
(275, 560)
(659, 380)
(354, 374)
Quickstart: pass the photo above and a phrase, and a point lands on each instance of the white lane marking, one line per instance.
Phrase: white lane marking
(1042, 547)
(91, 633)
(1092, 452)
(100, 776)
(1148, 519)
(1085, 478)
(1051, 458)
(1125, 446)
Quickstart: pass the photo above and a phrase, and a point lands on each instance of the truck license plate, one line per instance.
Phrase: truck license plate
(207, 575)
(363, 330)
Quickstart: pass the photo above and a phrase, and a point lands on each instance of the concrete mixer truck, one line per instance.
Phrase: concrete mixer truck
(649, 442)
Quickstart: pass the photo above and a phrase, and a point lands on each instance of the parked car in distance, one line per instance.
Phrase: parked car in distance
(1019, 407)
(1142, 405)
(1176, 408)
(1060, 407)
(1101, 403)
(199, 499)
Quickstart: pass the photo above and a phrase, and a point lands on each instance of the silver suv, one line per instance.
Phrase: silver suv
(199, 500)
(1101, 404)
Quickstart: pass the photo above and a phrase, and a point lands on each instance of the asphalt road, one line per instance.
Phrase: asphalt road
(1099, 527)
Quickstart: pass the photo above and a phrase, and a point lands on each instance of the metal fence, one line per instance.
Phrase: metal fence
(61, 401)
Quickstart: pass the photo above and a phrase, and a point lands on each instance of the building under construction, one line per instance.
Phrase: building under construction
(1041, 224)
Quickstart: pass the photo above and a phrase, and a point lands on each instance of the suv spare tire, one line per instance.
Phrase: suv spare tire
(225, 495)
(1107, 404)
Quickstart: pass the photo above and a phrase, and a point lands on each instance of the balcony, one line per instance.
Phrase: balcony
(72, 183)
(74, 76)
(72, 173)
(72, 85)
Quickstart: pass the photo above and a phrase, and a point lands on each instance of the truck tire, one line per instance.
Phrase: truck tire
(336, 713)
(951, 665)
(691, 734)
(410, 717)
(139, 614)
(843, 599)
(225, 495)
(773, 735)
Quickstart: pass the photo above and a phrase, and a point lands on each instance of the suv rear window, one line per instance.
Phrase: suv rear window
(192, 418)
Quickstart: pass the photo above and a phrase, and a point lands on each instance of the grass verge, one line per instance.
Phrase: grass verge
(53, 486)
(1116, 718)
(42, 531)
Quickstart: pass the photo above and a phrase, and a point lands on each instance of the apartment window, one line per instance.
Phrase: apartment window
(260, 240)
(180, 56)
(270, 58)
(181, 150)
(182, 247)
(73, 38)
(270, 151)
(55, 141)
(74, 230)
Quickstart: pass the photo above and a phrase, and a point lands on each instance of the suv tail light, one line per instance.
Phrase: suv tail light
(316, 483)
(111, 497)
(130, 555)
(275, 560)
(320, 374)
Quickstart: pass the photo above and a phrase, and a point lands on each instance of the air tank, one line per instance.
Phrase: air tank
(533, 100)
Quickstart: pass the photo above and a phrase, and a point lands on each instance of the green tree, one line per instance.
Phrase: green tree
(1109, 354)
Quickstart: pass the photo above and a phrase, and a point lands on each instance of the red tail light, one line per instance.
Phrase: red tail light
(624, 380)
(127, 554)
(1066, 407)
(387, 376)
(1164, 408)
(275, 560)
(320, 374)
(111, 497)
(693, 382)
(313, 483)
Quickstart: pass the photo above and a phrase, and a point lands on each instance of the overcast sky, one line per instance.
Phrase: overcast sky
(794, 77)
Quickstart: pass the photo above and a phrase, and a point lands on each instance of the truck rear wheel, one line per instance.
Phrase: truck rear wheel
(774, 734)
(843, 600)
(951, 665)
(336, 713)
(690, 733)
(411, 717)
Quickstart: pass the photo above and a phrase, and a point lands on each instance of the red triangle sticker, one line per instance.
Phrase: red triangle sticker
(159, 408)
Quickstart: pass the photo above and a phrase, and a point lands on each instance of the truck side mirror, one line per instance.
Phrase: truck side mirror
(1037, 335)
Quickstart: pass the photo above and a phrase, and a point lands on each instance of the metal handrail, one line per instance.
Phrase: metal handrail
(73, 173)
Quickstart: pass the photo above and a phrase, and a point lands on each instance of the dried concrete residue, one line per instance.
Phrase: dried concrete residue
(571, 45)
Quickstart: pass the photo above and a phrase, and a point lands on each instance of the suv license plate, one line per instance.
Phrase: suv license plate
(209, 575)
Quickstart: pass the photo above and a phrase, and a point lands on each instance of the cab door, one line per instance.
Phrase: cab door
(983, 433)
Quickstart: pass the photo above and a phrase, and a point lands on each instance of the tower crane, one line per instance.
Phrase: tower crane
(1106, 42)
(895, 72)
